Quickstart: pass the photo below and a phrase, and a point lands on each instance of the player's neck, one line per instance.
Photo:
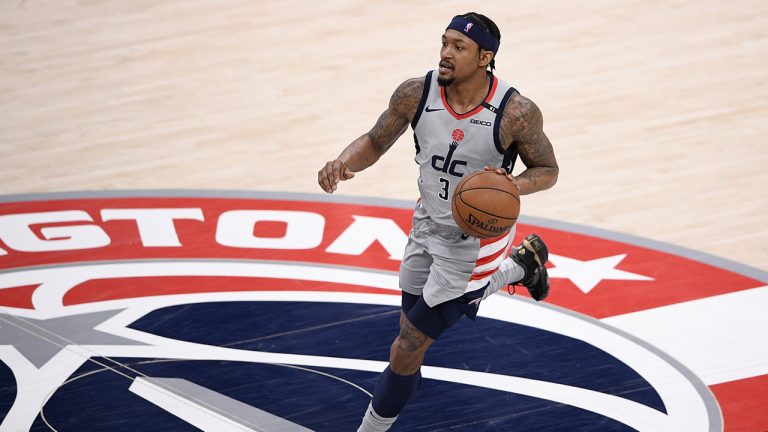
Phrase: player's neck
(465, 95)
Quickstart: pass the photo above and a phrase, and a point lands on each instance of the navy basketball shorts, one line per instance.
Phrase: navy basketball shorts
(444, 273)
(433, 321)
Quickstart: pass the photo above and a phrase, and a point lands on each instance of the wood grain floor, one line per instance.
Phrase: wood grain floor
(657, 109)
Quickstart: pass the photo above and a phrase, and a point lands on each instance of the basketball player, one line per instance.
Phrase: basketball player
(446, 273)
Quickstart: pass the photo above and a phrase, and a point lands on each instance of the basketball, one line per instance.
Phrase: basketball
(485, 204)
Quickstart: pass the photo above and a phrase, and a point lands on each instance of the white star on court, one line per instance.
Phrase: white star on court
(39, 340)
(587, 274)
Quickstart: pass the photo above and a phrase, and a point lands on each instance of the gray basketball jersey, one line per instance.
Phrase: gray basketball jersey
(450, 145)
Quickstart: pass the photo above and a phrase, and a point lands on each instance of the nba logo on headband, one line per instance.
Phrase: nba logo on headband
(480, 35)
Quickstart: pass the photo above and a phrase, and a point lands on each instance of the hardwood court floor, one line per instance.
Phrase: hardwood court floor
(656, 108)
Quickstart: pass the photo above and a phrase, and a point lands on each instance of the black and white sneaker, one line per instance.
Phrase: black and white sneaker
(532, 255)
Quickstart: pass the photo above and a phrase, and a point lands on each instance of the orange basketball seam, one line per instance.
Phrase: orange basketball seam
(489, 188)
(480, 210)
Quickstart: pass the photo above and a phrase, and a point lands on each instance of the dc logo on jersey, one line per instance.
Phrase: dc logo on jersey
(246, 313)
(447, 163)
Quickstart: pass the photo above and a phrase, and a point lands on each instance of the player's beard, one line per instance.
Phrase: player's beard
(445, 82)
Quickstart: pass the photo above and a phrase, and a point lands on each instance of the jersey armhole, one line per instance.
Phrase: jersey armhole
(497, 122)
(423, 101)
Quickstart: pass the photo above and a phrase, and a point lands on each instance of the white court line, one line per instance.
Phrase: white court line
(720, 338)
(207, 409)
(684, 403)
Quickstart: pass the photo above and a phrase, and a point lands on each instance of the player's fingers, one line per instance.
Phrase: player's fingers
(325, 177)
(497, 170)
(514, 181)
(339, 169)
(336, 169)
(322, 180)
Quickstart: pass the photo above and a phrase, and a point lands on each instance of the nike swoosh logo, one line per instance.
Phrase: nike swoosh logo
(427, 109)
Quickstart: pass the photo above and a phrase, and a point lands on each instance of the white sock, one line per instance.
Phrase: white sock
(373, 422)
(509, 272)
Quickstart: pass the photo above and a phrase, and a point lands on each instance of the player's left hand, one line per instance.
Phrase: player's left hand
(501, 171)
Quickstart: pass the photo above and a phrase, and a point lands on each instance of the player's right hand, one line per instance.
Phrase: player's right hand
(333, 172)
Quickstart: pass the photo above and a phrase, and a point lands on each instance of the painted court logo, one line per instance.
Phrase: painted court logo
(234, 311)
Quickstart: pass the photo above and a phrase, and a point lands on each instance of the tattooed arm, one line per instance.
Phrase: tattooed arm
(522, 126)
(368, 148)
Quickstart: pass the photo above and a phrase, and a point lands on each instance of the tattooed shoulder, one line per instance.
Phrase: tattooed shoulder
(522, 121)
(393, 122)
(405, 99)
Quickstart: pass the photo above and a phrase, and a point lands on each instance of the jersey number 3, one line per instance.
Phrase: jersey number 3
(444, 190)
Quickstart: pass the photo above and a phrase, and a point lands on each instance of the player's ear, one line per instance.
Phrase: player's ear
(485, 58)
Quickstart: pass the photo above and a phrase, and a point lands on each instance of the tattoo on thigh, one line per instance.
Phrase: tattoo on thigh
(411, 338)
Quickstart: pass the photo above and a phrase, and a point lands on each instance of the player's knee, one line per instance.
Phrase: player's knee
(408, 350)
(404, 362)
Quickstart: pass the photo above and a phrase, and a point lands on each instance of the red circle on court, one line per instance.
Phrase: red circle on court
(457, 134)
